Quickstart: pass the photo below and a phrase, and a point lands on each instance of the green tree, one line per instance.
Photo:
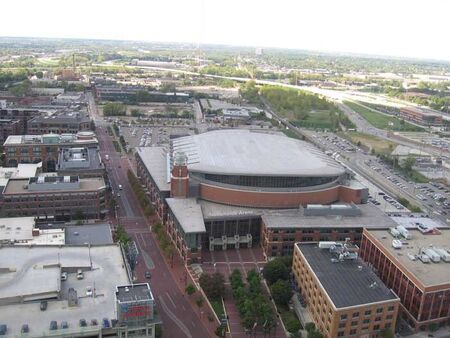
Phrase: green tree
(213, 285)
(275, 270)
(190, 289)
(409, 163)
(281, 292)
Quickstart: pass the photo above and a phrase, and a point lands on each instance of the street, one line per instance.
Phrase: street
(180, 318)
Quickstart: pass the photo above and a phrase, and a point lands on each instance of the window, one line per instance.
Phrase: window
(387, 325)
(376, 327)
(341, 325)
(366, 321)
(355, 314)
(343, 317)
(377, 319)
(380, 310)
(367, 313)
(391, 308)
(354, 323)
(352, 331)
(389, 316)
(340, 334)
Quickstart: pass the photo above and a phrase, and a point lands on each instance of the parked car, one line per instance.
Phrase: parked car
(83, 323)
(89, 291)
(64, 325)
(64, 276)
(53, 325)
(80, 274)
(25, 328)
(43, 305)
(106, 322)
(94, 322)
(148, 275)
(3, 329)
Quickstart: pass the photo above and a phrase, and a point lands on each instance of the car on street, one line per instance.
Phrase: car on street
(43, 305)
(80, 274)
(105, 323)
(53, 325)
(83, 322)
(64, 276)
(25, 328)
(147, 274)
(64, 325)
(89, 291)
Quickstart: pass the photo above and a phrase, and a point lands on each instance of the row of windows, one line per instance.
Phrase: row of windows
(266, 181)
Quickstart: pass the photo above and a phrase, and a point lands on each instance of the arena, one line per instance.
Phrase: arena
(211, 189)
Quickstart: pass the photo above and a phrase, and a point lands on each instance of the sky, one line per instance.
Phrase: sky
(409, 28)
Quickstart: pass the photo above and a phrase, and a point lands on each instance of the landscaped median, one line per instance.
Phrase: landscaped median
(140, 194)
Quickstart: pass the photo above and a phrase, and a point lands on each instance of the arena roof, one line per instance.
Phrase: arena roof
(245, 152)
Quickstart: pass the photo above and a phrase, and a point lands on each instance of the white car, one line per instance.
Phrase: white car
(89, 291)
(64, 276)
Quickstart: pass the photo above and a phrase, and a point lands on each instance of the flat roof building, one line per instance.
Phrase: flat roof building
(416, 265)
(33, 274)
(60, 123)
(63, 196)
(81, 161)
(345, 298)
(423, 116)
(22, 231)
(44, 148)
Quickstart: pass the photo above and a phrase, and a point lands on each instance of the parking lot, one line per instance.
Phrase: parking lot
(143, 136)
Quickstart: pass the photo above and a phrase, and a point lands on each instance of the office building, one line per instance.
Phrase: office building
(60, 123)
(80, 161)
(44, 148)
(416, 265)
(422, 116)
(64, 197)
(344, 296)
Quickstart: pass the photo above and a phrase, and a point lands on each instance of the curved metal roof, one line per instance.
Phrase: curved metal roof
(254, 153)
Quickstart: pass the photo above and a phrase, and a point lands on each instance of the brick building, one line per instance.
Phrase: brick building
(10, 127)
(60, 123)
(64, 197)
(422, 116)
(234, 176)
(344, 296)
(44, 148)
(417, 269)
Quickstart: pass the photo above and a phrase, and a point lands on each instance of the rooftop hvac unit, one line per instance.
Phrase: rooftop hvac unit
(432, 254)
(396, 244)
(445, 256)
(66, 179)
(326, 245)
(41, 179)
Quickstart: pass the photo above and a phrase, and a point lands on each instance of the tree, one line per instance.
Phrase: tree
(114, 109)
(409, 163)
(275, 270)
(190, 289)
(213, 285)
(387, 333)
(281, 292)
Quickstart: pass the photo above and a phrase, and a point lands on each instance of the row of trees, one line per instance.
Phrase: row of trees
(140, 194)
(213, 285)
(164, 241)
(254, 309)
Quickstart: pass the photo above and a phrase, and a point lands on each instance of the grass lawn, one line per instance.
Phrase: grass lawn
(379, 145)
(380, 120)
(317, 120)
(218, 307)
(289, 319)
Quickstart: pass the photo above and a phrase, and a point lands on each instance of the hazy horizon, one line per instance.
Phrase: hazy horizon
(410, 29)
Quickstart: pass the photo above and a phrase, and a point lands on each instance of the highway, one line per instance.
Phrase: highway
(180, 317)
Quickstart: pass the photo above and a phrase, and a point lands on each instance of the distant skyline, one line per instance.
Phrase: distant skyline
(414, 29)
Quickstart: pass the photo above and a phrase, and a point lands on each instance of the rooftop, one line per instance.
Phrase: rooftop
(427, 273)
(20, 186)
(245, 152)
(94, 234)
(134, 292)
(19, 230)
(79, 138)
(64, 117)
(402, 150)
(34, 274)
(23, 170)
(349, 282)
(155, 160)
(80, 158)
(370, 217)
(188, 213)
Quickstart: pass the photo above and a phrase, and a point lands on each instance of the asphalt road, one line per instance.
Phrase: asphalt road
(179, 317)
